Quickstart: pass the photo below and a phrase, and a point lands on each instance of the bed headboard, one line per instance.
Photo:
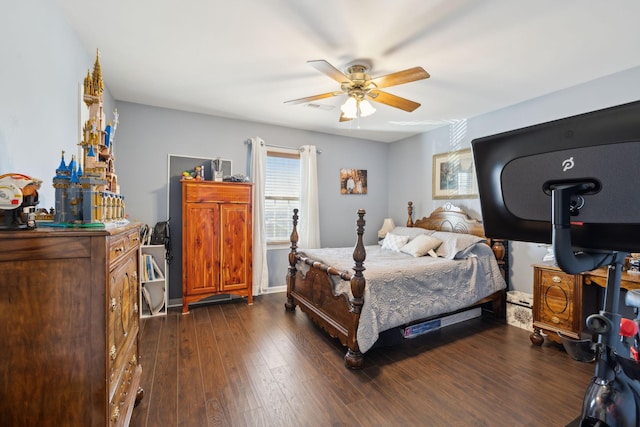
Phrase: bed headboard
(452, 218)
(447, 218)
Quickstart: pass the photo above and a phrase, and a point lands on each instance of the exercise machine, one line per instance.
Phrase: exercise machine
(567, 183)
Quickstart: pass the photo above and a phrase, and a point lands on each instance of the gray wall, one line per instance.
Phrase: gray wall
(147, 135)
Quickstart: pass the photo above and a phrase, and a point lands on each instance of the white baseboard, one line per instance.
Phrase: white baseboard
(177, 302)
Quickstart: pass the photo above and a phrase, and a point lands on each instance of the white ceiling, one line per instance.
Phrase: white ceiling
(243, 59)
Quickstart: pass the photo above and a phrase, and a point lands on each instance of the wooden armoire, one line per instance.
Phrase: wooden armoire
(217, 230)
(69, 322)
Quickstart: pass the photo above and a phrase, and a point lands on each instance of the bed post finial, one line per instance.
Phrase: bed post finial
(291, 275)
(294, 232)
(410, 211)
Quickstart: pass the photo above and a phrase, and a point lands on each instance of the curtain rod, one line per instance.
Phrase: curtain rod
(248, 141)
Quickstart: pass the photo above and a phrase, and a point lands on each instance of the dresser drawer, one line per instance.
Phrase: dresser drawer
(122, 314)
(217, 192)
(120, 245)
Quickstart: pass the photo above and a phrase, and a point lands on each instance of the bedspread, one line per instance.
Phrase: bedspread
(401, 289)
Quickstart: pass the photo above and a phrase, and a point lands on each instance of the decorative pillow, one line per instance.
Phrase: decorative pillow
(394, 242)
(453, 243)
(421, 245)
(410, 232)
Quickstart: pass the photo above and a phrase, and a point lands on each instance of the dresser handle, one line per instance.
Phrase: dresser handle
(556, 279)
(115, 414)
(119, 249)
(114, 304)
(555, 320)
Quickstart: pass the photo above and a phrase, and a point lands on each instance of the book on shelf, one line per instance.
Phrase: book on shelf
(157, 272)
(151, 270)
(148, 268)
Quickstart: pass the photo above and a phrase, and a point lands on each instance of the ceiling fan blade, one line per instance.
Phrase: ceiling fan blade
(329, 70)
(313, 98)
(343, 118)
(401, 77)
(392, 100)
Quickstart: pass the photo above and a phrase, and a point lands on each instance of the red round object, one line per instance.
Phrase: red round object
(628, 327)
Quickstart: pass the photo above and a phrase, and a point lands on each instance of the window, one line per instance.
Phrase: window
(282, 194)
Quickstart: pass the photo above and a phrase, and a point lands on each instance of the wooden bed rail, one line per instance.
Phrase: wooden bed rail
(344, 275)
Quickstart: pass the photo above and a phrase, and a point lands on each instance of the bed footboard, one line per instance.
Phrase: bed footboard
(313, 292)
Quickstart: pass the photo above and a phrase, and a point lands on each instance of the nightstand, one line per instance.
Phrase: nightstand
(560, 303)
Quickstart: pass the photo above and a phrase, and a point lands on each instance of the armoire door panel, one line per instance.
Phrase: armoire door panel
(203, 220)
(234, 246)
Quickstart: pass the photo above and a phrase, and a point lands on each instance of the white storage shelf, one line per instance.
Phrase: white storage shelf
(153, 281)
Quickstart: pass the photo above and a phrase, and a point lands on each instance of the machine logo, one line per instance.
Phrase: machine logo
(567, 164)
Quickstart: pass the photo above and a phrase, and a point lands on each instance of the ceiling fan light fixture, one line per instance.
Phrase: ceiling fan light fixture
(350, 108)
(366, 109)
(355, 107)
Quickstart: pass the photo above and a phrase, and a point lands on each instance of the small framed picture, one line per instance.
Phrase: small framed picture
(353, 181)
(454, 176)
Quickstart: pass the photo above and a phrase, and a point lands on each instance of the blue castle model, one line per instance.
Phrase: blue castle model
(86, 190)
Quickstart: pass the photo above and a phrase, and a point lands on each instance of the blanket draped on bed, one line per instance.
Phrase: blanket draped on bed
(401, 289)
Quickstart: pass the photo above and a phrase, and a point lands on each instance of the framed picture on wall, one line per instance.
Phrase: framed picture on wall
(353, 181)
(454, 175)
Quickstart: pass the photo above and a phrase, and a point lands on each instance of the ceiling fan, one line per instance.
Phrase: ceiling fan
(361, 88)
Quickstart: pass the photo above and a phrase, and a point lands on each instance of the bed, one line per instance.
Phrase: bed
(403, 285)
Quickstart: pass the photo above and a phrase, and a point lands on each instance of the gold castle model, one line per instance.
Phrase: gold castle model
(86, 190)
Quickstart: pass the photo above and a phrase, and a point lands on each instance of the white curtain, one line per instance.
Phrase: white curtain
(258, 170)
(309, 224)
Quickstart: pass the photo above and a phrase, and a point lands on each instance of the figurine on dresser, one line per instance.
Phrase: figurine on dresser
(87, 193)
(18, 200)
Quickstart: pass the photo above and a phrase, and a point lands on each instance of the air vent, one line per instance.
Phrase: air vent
(321, 106)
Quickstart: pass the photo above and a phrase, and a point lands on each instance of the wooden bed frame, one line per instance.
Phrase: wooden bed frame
(338, 315)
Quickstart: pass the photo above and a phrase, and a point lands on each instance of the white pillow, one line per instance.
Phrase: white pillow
(394, 242)
(422, 245)
(453, 243)
(410, 232)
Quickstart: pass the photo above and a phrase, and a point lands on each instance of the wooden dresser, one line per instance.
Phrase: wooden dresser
(217, 235)
(562, 301)
(69, 326)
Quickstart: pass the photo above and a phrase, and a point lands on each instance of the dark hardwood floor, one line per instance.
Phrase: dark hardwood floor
(238, 365)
